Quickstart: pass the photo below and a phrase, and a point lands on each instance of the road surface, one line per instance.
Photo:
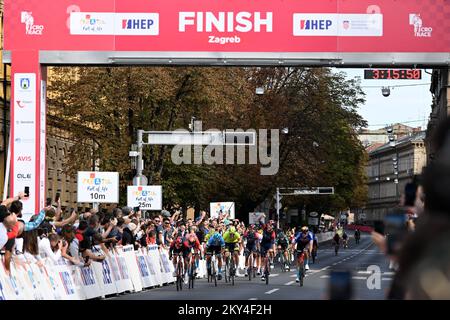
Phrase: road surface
(282, 285)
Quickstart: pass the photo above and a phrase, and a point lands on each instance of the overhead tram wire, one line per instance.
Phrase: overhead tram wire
(399, 85)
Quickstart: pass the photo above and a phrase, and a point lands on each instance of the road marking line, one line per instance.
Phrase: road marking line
(365, 272)
(334, 264)
(272, 291)
(324, 276)
(289, 283)
(359, 278)
(387, 279)
(274, 275)
(388, 273)
(326, 268)
(293, 276)
(253, 299)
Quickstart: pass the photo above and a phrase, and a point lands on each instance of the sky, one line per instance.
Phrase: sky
(408, 105)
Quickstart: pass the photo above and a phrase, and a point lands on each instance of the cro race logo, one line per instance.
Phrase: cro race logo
(26, 17)
(419, 30)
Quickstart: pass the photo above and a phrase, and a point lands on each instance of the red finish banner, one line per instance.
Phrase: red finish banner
(228, 25)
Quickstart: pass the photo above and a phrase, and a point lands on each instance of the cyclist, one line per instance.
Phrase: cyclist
(345, 240)
(315, 246)
(251, 236)
(215, 245)
(283, 243)
(336, 241)
(232, 239)
(357, 236)
(304, 240)
(176, 247)
(267, 244)
(193, 243)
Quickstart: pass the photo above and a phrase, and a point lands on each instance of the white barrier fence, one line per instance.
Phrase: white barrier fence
(325, 236)
(124, 270)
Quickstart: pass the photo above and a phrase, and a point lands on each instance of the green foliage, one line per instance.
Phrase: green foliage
(102, 108)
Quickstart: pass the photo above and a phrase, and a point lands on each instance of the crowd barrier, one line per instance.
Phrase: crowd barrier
(125, 270)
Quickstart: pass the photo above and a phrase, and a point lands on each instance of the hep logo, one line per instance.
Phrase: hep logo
(137, 24)
(315, 24)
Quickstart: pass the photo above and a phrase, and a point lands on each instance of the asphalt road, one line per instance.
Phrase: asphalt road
(282, 286)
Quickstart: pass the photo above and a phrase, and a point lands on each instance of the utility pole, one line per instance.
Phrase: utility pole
(278, 207)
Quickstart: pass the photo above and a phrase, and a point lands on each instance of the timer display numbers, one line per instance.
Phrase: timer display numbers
(393, 74)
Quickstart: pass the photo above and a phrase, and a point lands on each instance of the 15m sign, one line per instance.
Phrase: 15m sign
(101, 187)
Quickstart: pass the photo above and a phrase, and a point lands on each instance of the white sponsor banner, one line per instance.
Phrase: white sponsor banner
(43, 141)
(130, 259)
(255, 217)
(313, 221)
(110, 23)
(338, 25)
(144, 270)
(24, 139)
(154, 265)
(225, 207)
(145, 197)
(102, 187)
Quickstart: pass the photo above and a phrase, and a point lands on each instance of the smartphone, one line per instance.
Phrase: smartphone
(396, 230)
(340, 285)
(48, 202)
(57, 196)
(27, 191)
(378, 226)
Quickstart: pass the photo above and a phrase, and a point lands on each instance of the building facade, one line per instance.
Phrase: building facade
(440, 109)
(384, 190)
(369, 138)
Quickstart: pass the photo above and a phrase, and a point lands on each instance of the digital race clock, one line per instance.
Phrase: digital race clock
(393, 74)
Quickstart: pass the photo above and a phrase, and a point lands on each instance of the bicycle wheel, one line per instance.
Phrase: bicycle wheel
(301, 274)
(250, 267)
(191, 277)
(232, 272)
(225, 274)
(282, 262)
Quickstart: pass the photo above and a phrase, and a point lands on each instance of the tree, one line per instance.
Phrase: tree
(102, 108)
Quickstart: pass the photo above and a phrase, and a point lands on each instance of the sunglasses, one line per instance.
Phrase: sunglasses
(157, 221)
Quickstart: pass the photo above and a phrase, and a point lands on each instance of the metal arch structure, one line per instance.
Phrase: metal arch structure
(336, 33)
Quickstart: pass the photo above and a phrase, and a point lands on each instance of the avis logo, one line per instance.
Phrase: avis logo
(27, 18)
(419, 30)
(137, 24)
(315, 24)
(24, 158)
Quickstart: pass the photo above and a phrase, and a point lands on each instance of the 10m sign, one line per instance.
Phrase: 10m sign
(97, 196)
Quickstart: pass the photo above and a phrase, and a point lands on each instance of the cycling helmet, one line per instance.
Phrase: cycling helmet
(304, 228)
(178, 242)
(232, 229)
